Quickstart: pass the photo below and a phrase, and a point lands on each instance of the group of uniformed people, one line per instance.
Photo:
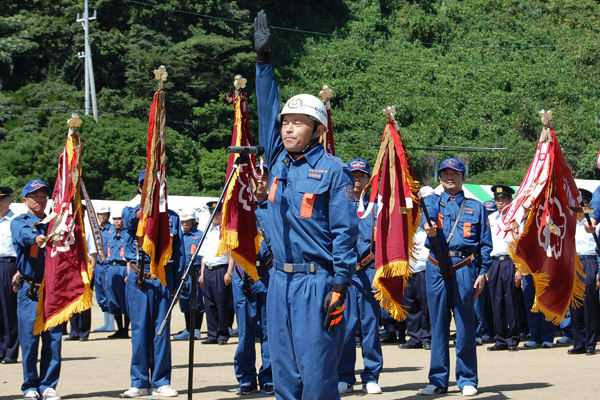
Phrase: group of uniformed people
(316, 268)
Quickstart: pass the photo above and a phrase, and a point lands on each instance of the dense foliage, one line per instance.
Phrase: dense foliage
(464, 75)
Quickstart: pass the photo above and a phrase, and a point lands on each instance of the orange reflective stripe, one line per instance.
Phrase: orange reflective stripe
(273, 190)
(308, 202)
(193, 249)
(440, 221)
(108, 252)
(122, 254)
(467, 229)
(33, 252)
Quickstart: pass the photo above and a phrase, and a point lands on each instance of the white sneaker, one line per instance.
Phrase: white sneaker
(135, 392)
(371, 388)
(344, 387)
(31, 394)
(166, 391)
(469, 390)
(50, 394)
(430, 390)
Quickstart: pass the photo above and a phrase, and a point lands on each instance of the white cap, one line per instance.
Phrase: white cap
(103, 208)
(187, 214)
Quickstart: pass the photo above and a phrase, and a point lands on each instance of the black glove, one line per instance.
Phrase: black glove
(333, 306)
(247, 288)
(262, 33)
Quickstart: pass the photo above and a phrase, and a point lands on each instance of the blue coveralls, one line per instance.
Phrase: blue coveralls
(190, 242)
(304, 357)
(251, 314)
(472, 235)
(362, 306)
(102, 267)
(24, 233)
(151, 354)
(117, 245)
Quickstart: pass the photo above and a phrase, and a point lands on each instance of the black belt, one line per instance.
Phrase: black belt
(8, 259)
(215, 267)
(452, 253)
(305, 268)
(120, 262)
(147, 275)
(500, 258)
(582, 258)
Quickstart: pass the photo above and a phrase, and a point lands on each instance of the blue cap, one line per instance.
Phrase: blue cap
(490, 206)
(452, 163)
(142, 176)
(359, 164)
(34, 185)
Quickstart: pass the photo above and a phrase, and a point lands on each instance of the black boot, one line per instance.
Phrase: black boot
(125, 330)
(119, 331)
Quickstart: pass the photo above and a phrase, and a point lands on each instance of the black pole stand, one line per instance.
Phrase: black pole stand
(192, 271)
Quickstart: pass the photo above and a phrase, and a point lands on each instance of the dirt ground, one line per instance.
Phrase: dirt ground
(99, 369)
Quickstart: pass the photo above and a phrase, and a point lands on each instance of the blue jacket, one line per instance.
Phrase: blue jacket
(472, 234)
(119, 245)
(311, 200)
(190, 242)
(24, 231)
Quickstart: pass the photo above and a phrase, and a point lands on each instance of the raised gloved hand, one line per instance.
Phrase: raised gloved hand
(333, 306)
(262, 34)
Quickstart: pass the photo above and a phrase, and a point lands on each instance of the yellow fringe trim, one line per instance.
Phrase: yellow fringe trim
(227, 245)
(541, 280)
(157, 270)
(394, 269)
(83, 303)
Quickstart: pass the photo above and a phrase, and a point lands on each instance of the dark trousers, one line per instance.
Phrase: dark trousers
(585, 317)
(9, 324)
(217, 303)
(506, 301)
(418, 324)
(81, 324)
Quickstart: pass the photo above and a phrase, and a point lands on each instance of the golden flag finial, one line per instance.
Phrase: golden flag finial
(161, 75)
(390, 112)
(239, 82)
(326, 94)
(74, 121)
(546, 117)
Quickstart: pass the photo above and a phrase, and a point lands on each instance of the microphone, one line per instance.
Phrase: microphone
(258, 150)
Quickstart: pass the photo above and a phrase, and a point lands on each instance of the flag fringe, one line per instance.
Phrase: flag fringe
(229, 241)
(385, 298)
(541, 280)
(83, 303)
(149, 248)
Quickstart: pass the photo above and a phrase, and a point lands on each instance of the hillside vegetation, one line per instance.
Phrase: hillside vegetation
(467, 78)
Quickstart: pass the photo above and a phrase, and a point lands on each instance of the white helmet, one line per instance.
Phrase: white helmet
(104, 208)
(306, 104)
(117, 214)
(186, 215)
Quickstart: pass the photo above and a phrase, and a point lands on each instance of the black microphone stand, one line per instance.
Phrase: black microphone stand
(193, 272)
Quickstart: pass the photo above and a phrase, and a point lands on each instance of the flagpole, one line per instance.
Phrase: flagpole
(241, 160)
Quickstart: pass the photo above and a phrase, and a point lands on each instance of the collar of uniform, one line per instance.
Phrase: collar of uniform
(262, 204)
(9, 215)
(31, 216)
(313, 156)
(459, 197)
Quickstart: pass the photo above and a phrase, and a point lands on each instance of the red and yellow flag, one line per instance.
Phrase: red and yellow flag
(239, 234)
(543, 218)
(153, 228)
(65, 289)
(327, 139)
(395, 194)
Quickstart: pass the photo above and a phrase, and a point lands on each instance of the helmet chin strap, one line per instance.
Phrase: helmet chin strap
(310, 145)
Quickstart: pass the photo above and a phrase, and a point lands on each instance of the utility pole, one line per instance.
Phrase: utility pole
(90, 86)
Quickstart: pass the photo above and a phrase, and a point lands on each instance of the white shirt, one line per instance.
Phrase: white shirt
(423, 252)
(7, 249)
(585, 245)
(209, 248)
(500, 239)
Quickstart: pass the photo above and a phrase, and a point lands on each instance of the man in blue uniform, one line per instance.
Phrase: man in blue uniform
(313, 239)
(29, 239)
(250, 299)
(117, 245)
(585, 318)
(504, 279)
(215, 281)
(106, 229)
(461, 228)
(9, 329)
(191, 238)
(362, 309)
(150, 354)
